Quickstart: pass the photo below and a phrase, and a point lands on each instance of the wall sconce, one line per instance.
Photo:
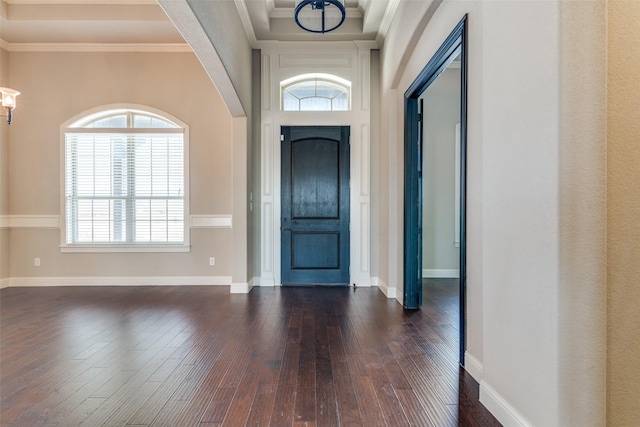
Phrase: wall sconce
(8, 101)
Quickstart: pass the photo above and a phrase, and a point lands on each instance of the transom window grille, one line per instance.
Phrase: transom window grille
(316, 92)
(125, 179)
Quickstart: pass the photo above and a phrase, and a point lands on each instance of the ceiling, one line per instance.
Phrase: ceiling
(33, 24)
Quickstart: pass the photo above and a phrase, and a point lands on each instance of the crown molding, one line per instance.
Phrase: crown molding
(366, 44)
(392, 7)
(84, 2)
(286, 12)
(96, 47)
(318, 46)
(271, 6)
(241, 5)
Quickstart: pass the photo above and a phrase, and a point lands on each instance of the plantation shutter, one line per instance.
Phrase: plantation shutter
(124, 185)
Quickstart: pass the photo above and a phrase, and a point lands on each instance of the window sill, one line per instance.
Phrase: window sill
(88, 248)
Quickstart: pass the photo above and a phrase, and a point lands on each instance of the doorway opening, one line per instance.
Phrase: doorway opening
(435, 176)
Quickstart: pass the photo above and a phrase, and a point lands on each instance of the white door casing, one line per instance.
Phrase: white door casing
(350, 61)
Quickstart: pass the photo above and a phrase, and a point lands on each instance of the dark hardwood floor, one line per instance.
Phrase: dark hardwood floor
(199, 356)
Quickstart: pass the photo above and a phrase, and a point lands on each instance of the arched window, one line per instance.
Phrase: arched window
(316, 92)
(125, 180)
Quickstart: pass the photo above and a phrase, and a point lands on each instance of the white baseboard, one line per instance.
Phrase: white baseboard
(241, 288)
(473, 366)
(266, 281)
(500, 408)
(121, 281)
(440, 274)
(5, 283)
(385, 289)
(363, 281)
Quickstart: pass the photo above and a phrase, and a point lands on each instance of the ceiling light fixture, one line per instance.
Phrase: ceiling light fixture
(320, 16)
(8, 101)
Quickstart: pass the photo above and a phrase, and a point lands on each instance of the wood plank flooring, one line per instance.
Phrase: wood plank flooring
(199, 356)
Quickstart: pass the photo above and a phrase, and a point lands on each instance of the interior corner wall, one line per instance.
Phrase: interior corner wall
(4, 175)
(241, 181)
(582, 318)
(623, 211)
(223, 26)
(75, 82)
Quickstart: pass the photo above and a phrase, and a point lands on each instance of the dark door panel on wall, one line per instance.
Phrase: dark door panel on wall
(315, 205)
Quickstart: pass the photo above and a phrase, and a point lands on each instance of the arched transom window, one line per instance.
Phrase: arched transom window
(125, 180)
(316, 92)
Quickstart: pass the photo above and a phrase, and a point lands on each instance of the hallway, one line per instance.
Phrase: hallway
(187, 356)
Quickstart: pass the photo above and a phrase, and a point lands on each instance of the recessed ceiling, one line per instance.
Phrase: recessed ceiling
(274, 20)
(42, 22)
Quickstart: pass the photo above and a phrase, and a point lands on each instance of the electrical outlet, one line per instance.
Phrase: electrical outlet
(212, 261)
(36, 262)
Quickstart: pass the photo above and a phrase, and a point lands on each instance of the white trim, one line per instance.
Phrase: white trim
(366, 44)
(289, 12)
(132, 247)
(500, 408)
(121, 248)
(267, 281)
(241, 5)
(240, 288)
(53, 221)
(5, 283)
(440, 273)
(271, 5)
(384, 288)
(389, 14)
(342, 59)
(126, 2)
(29, 221)
(121, 281)
(97, 47)
(211, 221)
(473, 366)
(304, 47)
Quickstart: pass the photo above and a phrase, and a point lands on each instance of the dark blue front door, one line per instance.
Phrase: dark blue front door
(315, 205)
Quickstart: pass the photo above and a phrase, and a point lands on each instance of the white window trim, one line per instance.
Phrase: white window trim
(339, 81)
(124, 247)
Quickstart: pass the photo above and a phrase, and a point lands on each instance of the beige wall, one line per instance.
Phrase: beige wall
(58, 86)
(582, 166)
(4, 172)
(623, 198)
(535, 219)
